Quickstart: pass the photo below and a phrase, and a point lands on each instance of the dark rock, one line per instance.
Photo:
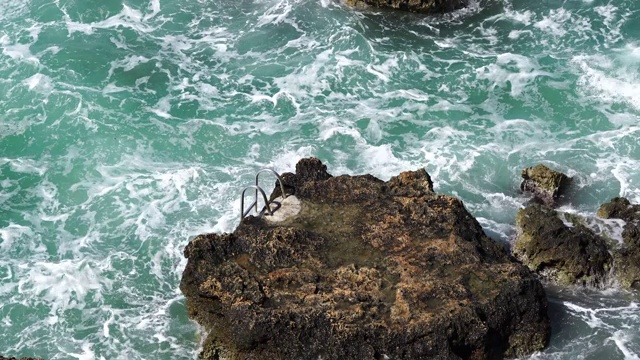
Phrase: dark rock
(366, 269)
(22, 358)
(545, 184)
(619, 208)
(628, 255)
(418, 6)
(566, 255)
(309, 169)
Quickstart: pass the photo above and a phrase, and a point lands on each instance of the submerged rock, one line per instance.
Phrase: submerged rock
(366, 270)
(418, 6)
(545, 184)
(15, 358)
(628, 255)
(565, 252)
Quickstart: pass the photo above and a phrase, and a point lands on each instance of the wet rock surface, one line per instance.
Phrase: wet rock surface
(417, 6)
(546, 185)
(628, 255)
(15, 358)
(564, 252)
(366, 269)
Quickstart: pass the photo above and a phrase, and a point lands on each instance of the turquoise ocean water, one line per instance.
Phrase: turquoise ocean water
(126, 128)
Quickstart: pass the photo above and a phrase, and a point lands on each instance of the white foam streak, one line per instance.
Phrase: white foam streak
(621, 339)
(503, 232)
(87, 353)
(154, 6)
(381, 162)
(372, 70)
(554, 23)
(128, 18)
(11, 233)
(331, 126)
(13, 8)
(603, 79)
(18, 52)
(275, 14)
(512, 70)
(587, 315)
(25, 166)
(39, 82)
(63, 285)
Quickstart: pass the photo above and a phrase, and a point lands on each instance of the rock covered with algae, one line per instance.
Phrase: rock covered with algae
(571, 249)
(545, 184)
(563, 250)
(367, 269)
(628, 254)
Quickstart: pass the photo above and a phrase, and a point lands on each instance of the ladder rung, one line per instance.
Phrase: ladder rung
(258, 189)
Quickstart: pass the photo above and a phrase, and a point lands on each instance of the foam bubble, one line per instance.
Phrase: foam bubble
(512, 70)
(381, 162)
(25, 166)
(18, 51)
(13, 9)
(11, 233)
(606, 79)
(40, 83)
(63, 285)
(276, 14)
(554, 23)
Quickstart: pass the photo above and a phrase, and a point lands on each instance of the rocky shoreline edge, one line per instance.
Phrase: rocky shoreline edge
(368, 269)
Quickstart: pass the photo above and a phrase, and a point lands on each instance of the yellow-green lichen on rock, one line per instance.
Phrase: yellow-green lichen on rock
(545, 184)
(565, 255)
(628, 255)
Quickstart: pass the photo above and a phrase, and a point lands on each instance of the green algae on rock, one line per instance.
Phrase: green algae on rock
(564, 254)
(366, 270)
(628, 255)
(545, 184)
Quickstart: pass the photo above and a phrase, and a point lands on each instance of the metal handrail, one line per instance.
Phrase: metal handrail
(284, 195)
(264, 196)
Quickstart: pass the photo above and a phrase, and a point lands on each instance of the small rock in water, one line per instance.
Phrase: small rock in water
(628, 256)
(545, 184)
(566, 254)
(564, 249)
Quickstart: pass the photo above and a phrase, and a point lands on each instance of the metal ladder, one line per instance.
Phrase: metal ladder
(258, 189)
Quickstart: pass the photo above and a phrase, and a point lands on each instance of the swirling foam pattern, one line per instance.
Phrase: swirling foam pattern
(128, 127)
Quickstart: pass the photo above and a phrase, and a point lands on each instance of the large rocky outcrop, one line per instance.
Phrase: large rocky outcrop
(628, 255)
(545, 184)
(418, 6)
(366, 270)
(565, 252)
